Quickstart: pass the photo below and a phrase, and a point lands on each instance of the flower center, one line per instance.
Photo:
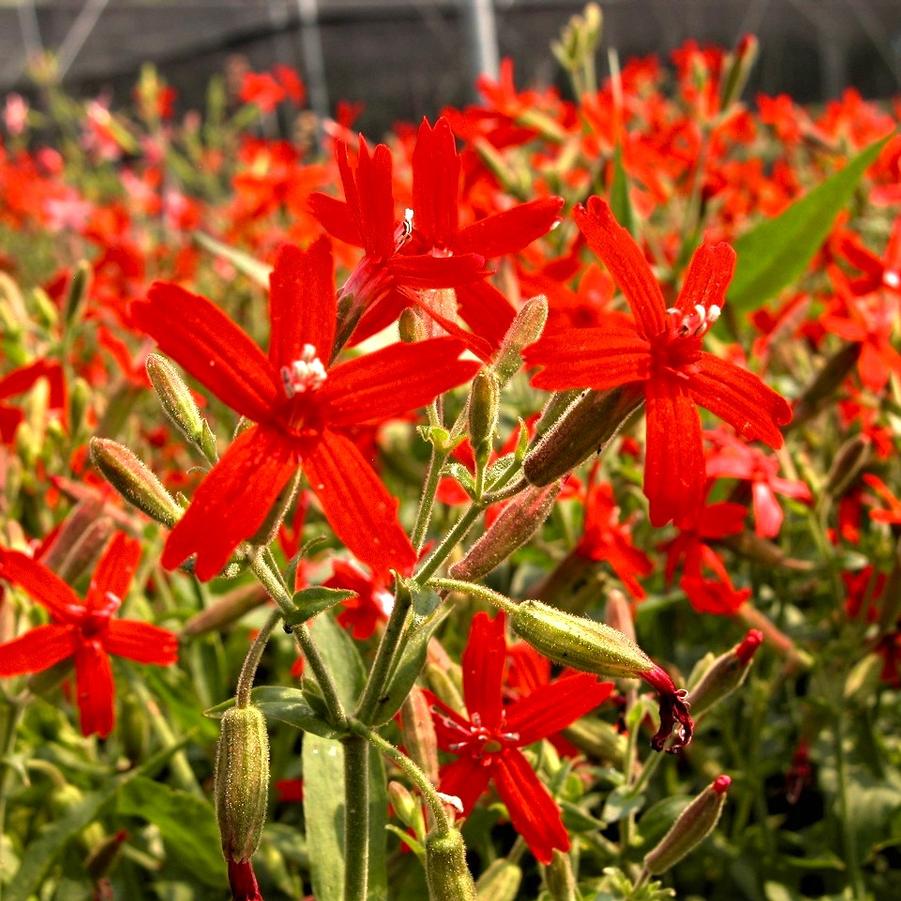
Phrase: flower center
(404, 230)
(693, 324)
(891, 278)
(305, 374)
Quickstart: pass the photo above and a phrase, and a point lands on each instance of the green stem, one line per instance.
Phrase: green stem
(427, 501)
(356, 818)
(448, 543)
(854, 873)
(178, 763)
(14, 712)
(647, 771)
(384, 656)
(413, 773)
(271, 580)
(488, 595)
(252, 660)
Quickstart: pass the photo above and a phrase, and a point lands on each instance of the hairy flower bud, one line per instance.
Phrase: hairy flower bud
(410, 326)
(484, 401)
(740, 64)
(134, 481)
(179, 405)
(78, 291)
(598, 739)
(618, 614)
(407, 809)
(594, 647)
(825, 383)
(847, 464)
(226, 609)
(692, 826)
(560, 879)
(418, 731)
(500, 881)
(585, 428)
(515, 525)
(446, 871)
(725, 674)
(85, 550)
(526, 329)
(242, 781)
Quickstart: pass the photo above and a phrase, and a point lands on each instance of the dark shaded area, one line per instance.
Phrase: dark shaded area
(406, 58)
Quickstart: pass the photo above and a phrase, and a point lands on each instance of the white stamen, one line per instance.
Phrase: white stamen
(385, 601)
(305, 374)
(453, 800)
(891, 279)
(695, 323)
(404, 230)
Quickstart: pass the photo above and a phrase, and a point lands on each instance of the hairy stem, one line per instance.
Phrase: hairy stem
(356, 818)
(252, 660)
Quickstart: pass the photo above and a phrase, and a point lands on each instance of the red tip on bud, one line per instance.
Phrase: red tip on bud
(721, 784)
(749, 645)
(243, 881)
(748, 44)
(675, 712)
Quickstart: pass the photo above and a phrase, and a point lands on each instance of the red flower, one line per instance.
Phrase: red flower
(19, 381)
(361, 614)
(891, 513)
(877, 272)
(607, 538)
(302, 406)
(487, 742)
(715, 521)
(85, 629)
(436, 228)
(660, 355)
(385, 281)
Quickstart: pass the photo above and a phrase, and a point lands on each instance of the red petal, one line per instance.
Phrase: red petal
(768, 514)
(436, 179)
(39, 583)
(626, 262)
(553, 707)
(708, 277)
(302, 304)
(357, 505)
(115, 570)
(96, 691)
(674, 465)
(598, 358)
(37, 650)
(511, 230)
(485, 310)
(425, 271)
(336, 218)
(142, 642)
(391, 381)
(202, 339)
(10, 418)
(483, 668)
(232, 502)
(376, 199)
(533, 812)
(466, 779)
(740, 398)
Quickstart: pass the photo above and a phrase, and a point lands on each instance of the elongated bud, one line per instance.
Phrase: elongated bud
(407, 809)
(594, 647)
(86, 549)
(847, 464)
(584, 429)
(692, 826)
(73, 527)
(226, 609)
(725, 674)
(559, 877)
(824, 384)
(500, 881)
(134, 481)
(515, 525)
(242, 781)
(243, 881)
(410, 326)
(79, 404)
(741, 63)
(179, 405)
(526, 329)
(484, 401)
(102, 857)
(441, 683)
(418, 731)
(446, 871)
(78, 291)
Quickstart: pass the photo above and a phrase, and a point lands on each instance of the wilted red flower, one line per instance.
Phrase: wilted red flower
(302, 406)
(660, 354)
(85, 629)
(487, 742)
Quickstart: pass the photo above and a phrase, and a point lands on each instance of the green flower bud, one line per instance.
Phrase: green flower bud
(410, 326)
(559, 877)
(847, 464)
(241, 781)
(407, 809)
(692, 826)
(725, 674)
(825, 383)
(79, 285)
(85, 550)
(226, 609)
(178, 403)
(134, 481)
(598, 739)
(515, 525)
(484, 400)
(103, 855)
(418, 731)
(740, 64)
(584, 429)
(500, 881)
(446, 871)
(526, 329)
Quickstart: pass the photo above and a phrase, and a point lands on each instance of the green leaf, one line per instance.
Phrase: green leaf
(43, 852)
(186, 822)
(323, 805)
(282, 704)
(342, 659)
(620, 202)
(243, 262)
(621, 802)
(776, 252)
(311, 601)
